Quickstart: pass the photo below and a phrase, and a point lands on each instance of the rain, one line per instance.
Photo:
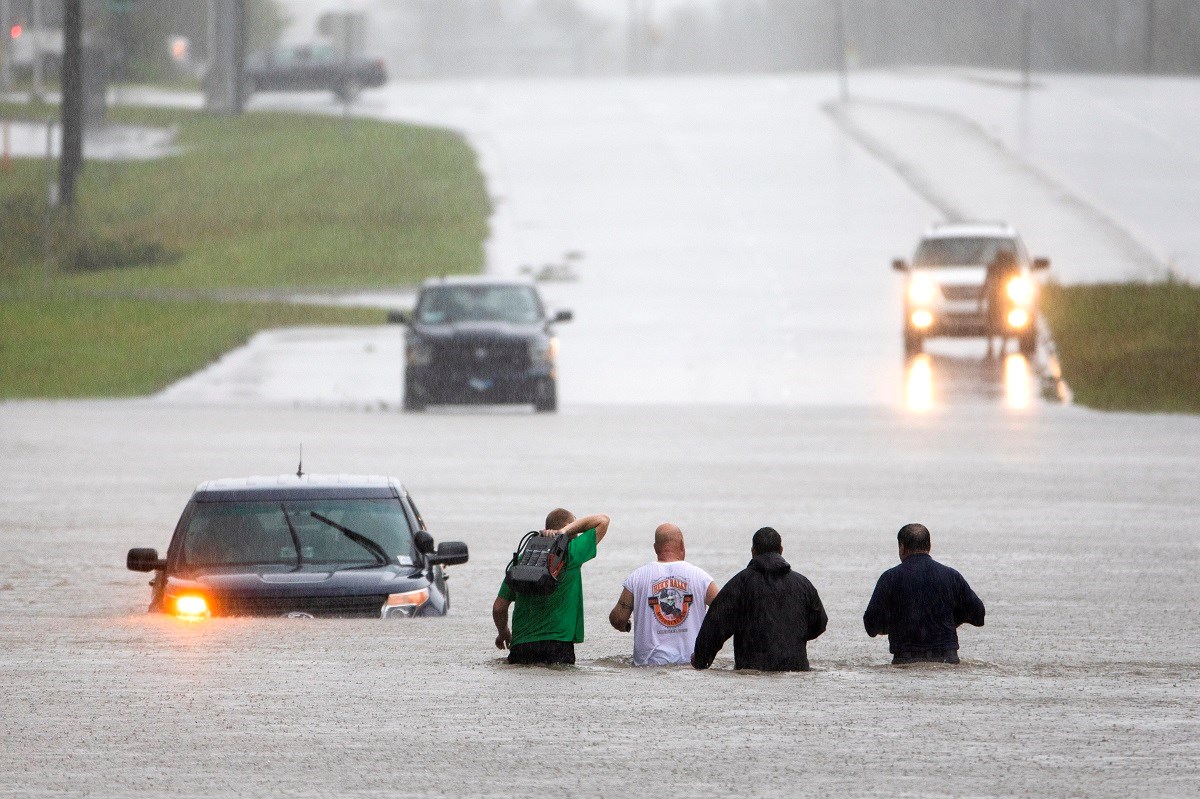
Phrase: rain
(729, 198)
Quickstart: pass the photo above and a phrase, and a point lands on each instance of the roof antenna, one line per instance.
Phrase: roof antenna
(300, 467)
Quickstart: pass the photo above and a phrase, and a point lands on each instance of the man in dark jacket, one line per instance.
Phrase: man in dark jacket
(771, 611)
(920, 603)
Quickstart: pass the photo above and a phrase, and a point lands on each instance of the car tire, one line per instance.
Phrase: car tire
(914, 344)
(1028, 344)
(545, 397)
(411, 401)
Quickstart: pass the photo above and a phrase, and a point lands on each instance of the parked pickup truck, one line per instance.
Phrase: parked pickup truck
(311, 67)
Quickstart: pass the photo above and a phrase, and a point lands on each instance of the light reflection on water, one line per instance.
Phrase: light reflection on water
(934, 380)
(1018, 383)
(918, 384)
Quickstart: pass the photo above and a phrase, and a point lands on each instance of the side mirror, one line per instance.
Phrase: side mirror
(144, 560)
(1041, 263)
(563, 316)
(900, 265)
(450, 553)
(424, 542)
(396, 317)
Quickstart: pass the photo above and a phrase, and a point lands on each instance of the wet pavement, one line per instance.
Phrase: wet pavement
(1076, 528)
(735, 362)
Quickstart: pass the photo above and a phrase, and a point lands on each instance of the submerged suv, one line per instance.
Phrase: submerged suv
(300, 546)
(944, 289)
(480, 340)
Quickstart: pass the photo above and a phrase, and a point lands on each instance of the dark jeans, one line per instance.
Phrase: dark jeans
(543, 653)
(927, 656)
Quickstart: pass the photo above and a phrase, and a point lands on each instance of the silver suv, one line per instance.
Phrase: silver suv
(944, 286)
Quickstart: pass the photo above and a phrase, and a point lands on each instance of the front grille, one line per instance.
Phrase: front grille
(482, 355)
(969, 292)
(320, 606)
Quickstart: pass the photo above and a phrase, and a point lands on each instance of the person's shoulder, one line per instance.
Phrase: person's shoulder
(640, 573)
(892, 572)
(696, 570)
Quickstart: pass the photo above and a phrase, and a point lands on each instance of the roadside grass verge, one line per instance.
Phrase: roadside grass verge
(1129, 347)
(72, 346)
(270, 202)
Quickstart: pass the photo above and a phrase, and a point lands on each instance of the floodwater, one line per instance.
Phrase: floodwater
(735, 362)
(1076, 528)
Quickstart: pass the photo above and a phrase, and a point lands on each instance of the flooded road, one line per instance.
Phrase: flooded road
(1076, 528)
(735, 362)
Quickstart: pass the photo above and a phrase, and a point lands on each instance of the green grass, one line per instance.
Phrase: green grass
(265, 201)
(1133, 347)
(79, 346)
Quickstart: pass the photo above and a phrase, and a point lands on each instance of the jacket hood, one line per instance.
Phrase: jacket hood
(771, 564)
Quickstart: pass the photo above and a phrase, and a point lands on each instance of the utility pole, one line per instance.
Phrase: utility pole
(5, 46)
(71, 159)
(226, 57)
(1150, 13)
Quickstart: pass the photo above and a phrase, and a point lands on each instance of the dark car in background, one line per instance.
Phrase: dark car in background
(311, 67)
(300, 546)
(480, 340)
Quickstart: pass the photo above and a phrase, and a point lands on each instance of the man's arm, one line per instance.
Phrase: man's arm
(876, 617)
(711, 594)
(500, 617)
(818, 619)
(720, 623)
(599, 521)
(618, 617)
(969, 607)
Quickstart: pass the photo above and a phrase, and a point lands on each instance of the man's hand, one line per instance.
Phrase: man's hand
(504, 639)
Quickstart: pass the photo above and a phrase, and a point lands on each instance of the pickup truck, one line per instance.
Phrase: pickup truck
(311, 67)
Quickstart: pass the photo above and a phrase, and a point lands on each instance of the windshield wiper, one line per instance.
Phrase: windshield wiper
(371, 546)
(295, 537)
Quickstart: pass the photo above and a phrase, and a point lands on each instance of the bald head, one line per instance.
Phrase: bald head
(668, 542)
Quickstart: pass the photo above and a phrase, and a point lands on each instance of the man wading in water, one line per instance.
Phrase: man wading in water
(920, 603)
(771, 611)
(545, 629)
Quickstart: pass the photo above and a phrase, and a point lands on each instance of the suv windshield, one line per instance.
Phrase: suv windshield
(965, 251)
(498, 303)
(257, 533)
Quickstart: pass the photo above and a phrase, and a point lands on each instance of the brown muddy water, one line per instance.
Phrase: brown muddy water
(1077, 529)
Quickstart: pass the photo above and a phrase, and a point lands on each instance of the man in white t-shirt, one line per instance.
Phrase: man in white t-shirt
(666, 600)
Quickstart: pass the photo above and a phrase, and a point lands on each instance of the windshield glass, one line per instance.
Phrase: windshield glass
(446, 304)
(965, 251)
(256, 533)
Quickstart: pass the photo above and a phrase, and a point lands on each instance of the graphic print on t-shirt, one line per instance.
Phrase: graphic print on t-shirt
(670, 600)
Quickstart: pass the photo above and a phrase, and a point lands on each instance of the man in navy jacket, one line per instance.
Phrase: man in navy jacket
(920, 603)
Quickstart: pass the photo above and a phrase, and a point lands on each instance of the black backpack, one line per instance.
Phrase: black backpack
(535, 566)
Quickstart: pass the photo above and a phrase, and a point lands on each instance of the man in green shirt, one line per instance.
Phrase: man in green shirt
(545, 629)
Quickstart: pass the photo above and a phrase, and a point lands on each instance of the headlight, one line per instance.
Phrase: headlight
(922, 291)
(921, 319)
(419, 352)
(191, 607)
(1018, 317)
(1020, 290)
(405, 604)
(543, 351)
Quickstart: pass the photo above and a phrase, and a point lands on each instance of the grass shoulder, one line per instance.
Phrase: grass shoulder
(1129, 346)
(264, 201)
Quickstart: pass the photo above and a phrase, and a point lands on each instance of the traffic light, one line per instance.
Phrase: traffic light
(15, 31)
